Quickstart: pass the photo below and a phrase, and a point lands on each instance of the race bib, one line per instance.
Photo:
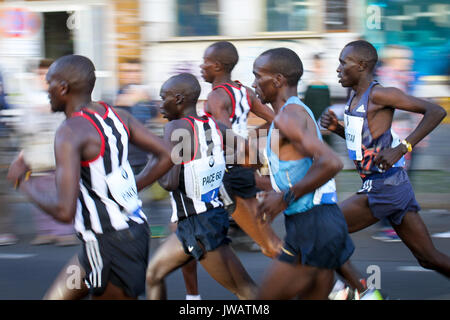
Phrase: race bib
(209, 175)
(353, 138)
(122, 185)
(326, 194)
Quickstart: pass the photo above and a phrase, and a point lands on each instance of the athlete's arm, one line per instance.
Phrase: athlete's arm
(182, 144)
(326, 164)
(262, 111)
(239, 150)
(329, 121)
(433, 114)
(149, 142)
(55, 194)
(258, 108)
(219, 106)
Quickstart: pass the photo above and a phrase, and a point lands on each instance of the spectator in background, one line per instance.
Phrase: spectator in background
(6, 236)
(134, 97)
(38, 132)
(3, 103)
(317, 94)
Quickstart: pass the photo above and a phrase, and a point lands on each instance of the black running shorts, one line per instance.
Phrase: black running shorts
(119, 257)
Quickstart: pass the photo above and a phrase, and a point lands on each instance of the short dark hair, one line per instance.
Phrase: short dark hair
(286, 62)
(77, 70)
(226, 53)
(186, 84)
(365, 51)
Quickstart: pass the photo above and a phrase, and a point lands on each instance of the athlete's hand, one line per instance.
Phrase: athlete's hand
(270, 205)
(17, 168)
(329, 120)
(386, 158)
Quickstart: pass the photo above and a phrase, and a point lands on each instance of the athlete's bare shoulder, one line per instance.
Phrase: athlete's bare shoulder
(219, 94)
(385, 96)
(292, 118)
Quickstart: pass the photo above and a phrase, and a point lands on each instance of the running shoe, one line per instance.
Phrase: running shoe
(371, 294)
(342, 292)
(387, 235)
(7, 239)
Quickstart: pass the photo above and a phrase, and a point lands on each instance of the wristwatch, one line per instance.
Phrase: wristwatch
(289, 197)
(407, 145)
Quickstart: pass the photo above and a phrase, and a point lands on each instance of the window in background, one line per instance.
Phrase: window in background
(58, 38)
(197, 17)
(289, 15)
(336, 17)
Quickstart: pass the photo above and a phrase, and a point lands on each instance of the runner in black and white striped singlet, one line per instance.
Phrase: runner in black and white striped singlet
(230, 103)
(241, 106)
(194, 182)
(98, 210)
(201, 177)
(95, 186)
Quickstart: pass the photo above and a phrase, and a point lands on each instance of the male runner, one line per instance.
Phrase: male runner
(302, 168)
(94, 184)
(378, 155)
(230, 103)
(194, 183)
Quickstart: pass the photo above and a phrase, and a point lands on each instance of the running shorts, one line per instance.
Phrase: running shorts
(120, 257)
(207, 230)
(317, 237)
(390, 195)
(237, 181)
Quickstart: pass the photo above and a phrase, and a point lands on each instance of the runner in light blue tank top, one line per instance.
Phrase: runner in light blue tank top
(285, 174)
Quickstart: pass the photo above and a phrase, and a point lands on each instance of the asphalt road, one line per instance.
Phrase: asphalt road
(27, 271)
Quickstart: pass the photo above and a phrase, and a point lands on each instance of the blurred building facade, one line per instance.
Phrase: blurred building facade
(171, 35)
(178, 31)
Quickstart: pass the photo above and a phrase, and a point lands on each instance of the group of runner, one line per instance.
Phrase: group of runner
(196, 161)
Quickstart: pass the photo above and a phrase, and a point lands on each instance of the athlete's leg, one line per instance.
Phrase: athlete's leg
(357, 212)
(358, 216)
(113, 292)
(323, 283)
(415, 235)
(261, 233)
(189, 271)
(285, 281)
(169, 256)
(69, 284)
(226, 268)
(351, 276)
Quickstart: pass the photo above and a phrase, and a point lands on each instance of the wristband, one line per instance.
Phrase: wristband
(289, 197)
(23, 177)
(407, 145)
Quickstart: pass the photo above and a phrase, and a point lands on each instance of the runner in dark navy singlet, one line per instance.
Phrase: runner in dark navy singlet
(379, 155)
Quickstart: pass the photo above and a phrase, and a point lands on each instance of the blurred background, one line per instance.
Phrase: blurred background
(137, 44)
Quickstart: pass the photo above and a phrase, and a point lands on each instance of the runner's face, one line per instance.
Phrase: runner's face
(264, 80)
(168, 106)
(54, 93)
(208, 65)
(348, 69)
